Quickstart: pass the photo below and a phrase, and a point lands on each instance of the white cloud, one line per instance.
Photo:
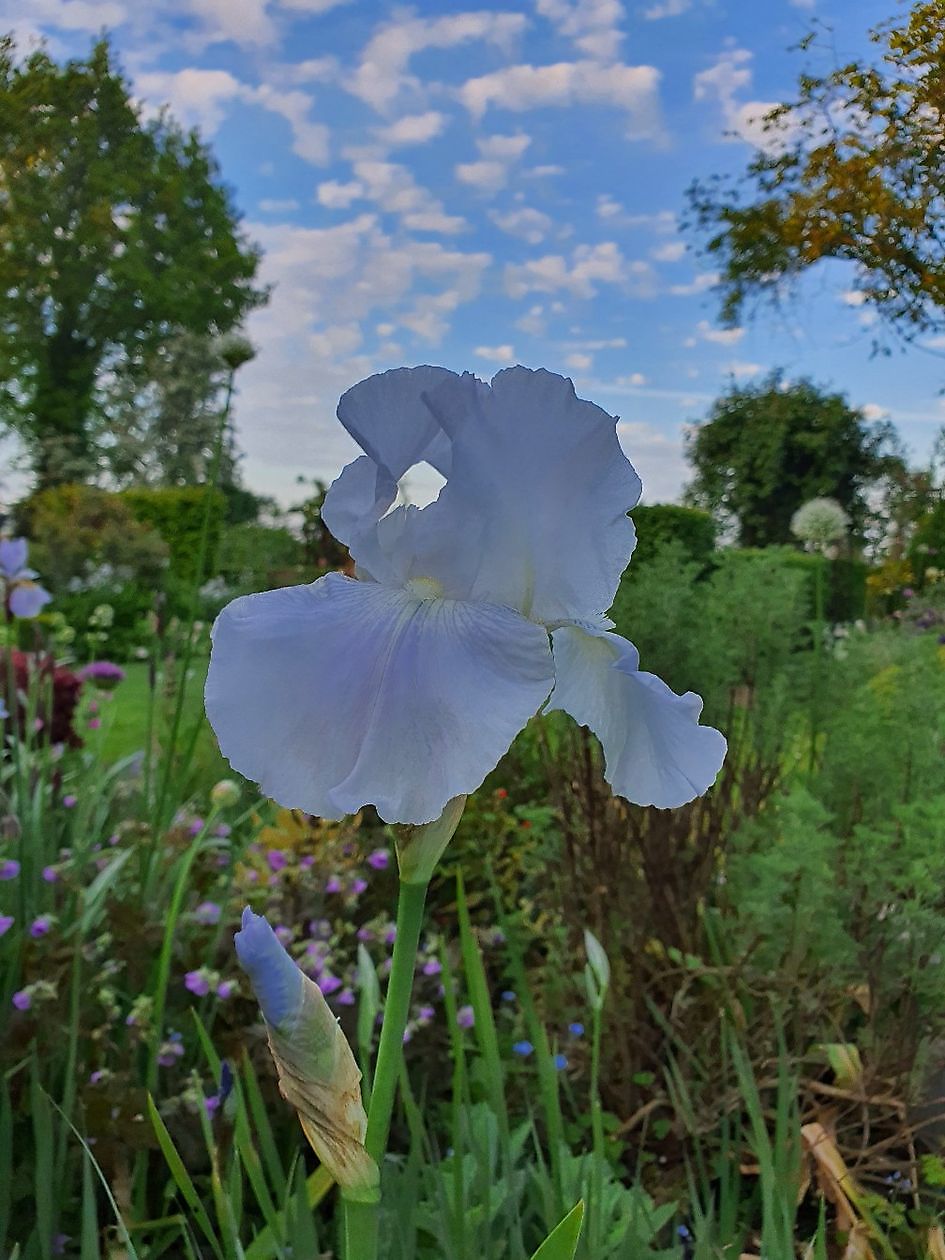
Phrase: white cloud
(383, 72)
(672, 251)
(312, 6)
(632, 89)
(636, 380)
(543, 172)
(197, 98)
(278, 205)
(487, 177)
(853, 297)
(73, 15)
(311, 70)
(607, 207)
(244, 22)
(701, 283)
(667, 9)
(605, 343)
(310, 139)
(533, 321)
(491, 172)
(526, 223)
(412, 129)
(200, 98)
(719, 336)
(337, 196)
(739, 368)
(496, 354)
(593, 25)
(589, 266)
(393, 188)
(873, 411)
(579, 362)
(721, 83)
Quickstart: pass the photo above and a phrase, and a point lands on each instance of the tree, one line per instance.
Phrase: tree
(767, 448)
(116, 235)
(164, 415)
(852, 169)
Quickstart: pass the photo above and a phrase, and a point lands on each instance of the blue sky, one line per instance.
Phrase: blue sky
(498, 183)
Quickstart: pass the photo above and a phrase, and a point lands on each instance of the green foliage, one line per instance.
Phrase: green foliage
(256, 557)
(767, 448)
(844, 579)
(82, 537)
(868, 190)
(927, 544)
(114, 232)
(664, 523)
(177, 515)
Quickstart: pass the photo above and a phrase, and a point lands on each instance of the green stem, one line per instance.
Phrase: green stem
(361, 1219)
(818, 651)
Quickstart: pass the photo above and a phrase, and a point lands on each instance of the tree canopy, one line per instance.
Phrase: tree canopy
(854, 169)
(767, 448)
(116, 236)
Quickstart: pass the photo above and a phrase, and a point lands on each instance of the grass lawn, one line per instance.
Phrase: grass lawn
(124, 727)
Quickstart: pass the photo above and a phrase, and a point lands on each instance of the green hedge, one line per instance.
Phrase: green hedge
(927, 545)
(664, 523)
(844, 579)
(176, 513)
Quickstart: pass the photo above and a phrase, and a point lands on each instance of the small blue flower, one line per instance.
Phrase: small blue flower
(508, 996)
(275, 978)
(561, 1062)
(524, 1048)
(576, 1029)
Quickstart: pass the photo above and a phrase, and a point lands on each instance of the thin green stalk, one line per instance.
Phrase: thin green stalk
(597, 1130)
(361, 1220)
(202, 548)
(818, 653)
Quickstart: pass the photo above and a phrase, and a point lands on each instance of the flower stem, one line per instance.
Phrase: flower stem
(361, 1219)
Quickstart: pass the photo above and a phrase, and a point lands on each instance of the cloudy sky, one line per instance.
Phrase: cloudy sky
(491, 185)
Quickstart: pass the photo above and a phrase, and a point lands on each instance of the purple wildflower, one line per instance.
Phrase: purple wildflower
(22, 1000)
(226, 989)
(50, 874)
(277, 860)
(197, 983)
(69, 801)
(432, 967)
(105, 675)
(346, 997)
(6, 922)
(9, 869)
(41, 926)
(465, 1017)
(328, 983)
(333, 884)
(379, 860)
(207, 913)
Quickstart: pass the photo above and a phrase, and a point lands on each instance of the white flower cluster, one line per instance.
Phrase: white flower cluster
(820, 522)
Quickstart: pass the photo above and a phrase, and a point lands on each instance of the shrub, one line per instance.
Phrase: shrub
(257, 557)
(664, 523)
(927, 545)
(176, 513)
(844, 579)
(82, 536)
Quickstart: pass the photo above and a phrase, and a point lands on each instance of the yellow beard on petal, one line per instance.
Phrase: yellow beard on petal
(425, 588)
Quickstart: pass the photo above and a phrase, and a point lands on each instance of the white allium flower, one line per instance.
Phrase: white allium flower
(820, 522)
(403, 688)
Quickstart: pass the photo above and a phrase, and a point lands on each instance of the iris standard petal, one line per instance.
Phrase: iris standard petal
(28, 600)
(388, 418)
(344, 693)
(655, 751)
(13, 553)
(276, 979)
(535, 506)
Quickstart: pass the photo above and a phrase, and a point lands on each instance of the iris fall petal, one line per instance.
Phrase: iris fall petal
(343, 693)
(655, 751)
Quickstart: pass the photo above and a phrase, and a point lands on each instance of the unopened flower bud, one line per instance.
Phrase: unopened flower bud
(226, 792)
(318, 1074)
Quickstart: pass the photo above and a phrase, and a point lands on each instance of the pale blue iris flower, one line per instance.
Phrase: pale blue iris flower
(403, 688)
(25, 598)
